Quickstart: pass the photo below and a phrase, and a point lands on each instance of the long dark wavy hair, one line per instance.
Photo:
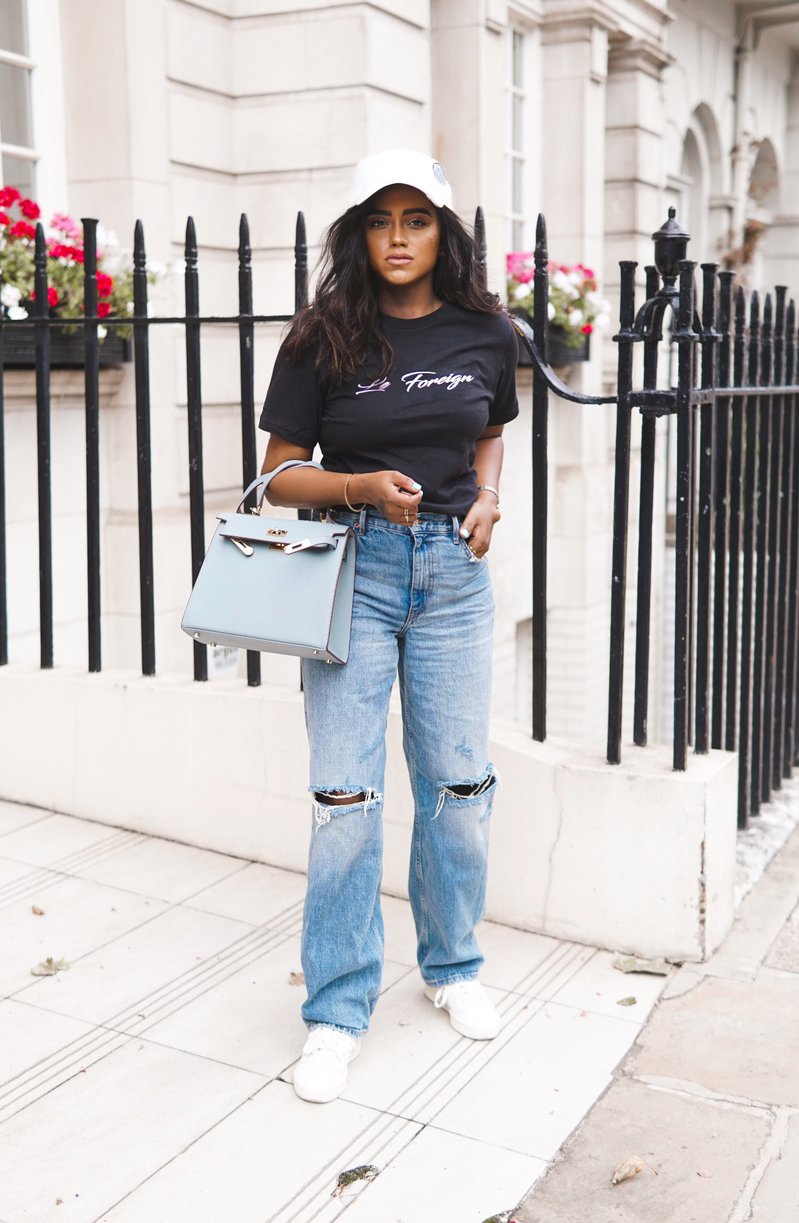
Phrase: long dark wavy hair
(342, 322)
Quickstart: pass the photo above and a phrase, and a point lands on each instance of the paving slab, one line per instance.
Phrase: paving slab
(732, 1037)
(785, 952)
(698, 1155)
(777, 1196)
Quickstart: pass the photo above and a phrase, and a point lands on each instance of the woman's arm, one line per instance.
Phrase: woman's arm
(484, 514)
(390, 492)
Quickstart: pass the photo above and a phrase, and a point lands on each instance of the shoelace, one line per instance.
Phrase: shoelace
(324, 1039)
(457, 986)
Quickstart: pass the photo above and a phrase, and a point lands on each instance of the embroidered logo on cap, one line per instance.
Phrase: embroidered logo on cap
(438, 173)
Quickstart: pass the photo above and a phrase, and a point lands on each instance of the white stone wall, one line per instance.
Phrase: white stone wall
(215, 107)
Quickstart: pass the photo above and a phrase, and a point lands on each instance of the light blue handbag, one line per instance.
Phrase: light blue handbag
(275, 584)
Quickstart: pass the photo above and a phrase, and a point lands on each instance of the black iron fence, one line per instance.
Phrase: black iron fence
(736, 638)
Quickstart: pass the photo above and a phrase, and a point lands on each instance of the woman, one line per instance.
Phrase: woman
(402, 371)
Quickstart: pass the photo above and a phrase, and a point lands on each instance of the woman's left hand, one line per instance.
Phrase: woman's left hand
(479, 523)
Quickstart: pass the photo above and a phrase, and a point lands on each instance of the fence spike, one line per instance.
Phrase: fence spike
(480, 245)
(300, 264)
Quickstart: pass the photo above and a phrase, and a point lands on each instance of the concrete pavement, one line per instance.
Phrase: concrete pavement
(707, 1100)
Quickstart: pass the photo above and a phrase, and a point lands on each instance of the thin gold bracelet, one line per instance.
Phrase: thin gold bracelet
(356, 509)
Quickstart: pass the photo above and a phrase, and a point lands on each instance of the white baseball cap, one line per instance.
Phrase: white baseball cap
(380, 170)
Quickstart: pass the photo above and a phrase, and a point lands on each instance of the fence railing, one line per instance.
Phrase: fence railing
(736, 623)
(736, 638)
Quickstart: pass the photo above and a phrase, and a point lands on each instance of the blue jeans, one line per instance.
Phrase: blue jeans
(423, 611)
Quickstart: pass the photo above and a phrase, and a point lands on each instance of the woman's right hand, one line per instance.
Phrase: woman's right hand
(392, 494)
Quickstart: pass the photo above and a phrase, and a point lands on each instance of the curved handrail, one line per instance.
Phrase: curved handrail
(548, 374)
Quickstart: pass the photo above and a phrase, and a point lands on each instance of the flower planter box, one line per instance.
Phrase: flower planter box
(559, 352)
(66, 350)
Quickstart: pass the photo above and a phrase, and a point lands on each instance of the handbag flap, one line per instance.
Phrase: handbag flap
(281, 531)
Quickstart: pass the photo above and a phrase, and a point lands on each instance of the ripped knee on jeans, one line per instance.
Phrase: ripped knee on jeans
(337, 798)
(325, 801)
(466, 790)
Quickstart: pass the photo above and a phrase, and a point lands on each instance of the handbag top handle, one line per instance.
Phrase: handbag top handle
(262, 482)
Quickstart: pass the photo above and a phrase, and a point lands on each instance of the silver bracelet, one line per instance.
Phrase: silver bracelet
(489, 488)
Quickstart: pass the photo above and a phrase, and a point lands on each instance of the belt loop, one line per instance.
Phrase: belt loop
(456, 530)
(362, 521)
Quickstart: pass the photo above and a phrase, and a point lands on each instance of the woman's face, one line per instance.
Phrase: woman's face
(402, 237)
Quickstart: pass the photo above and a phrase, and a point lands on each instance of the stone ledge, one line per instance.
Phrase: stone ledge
(633, 857)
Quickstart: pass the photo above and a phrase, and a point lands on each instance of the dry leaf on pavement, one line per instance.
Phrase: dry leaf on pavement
(296, 978)
(35, 909)
(626, 1170)
(49, 967)
(635, 963)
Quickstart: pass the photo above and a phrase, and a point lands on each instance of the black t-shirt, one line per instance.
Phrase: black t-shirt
(454, 373)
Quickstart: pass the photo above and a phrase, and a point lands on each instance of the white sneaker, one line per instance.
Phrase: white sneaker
(471, 1011)
(321, 1073)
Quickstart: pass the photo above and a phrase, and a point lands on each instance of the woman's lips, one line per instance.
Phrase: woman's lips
(400, 258)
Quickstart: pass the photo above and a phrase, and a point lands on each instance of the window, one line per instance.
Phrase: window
(517, 123)
(16, 124)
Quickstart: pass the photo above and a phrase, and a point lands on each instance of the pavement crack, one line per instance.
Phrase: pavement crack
(771, 1150)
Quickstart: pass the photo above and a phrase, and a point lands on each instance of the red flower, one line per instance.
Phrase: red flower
(52, 296)
(105, 284)
(103, 309)
(30, 210)
(21, 229)
(587, 329)
(9, 196)
(4, 218)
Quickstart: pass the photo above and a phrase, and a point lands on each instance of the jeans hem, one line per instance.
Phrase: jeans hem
(313, 1024)
(451, 980)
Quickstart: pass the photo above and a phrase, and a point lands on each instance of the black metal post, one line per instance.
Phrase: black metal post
(480, 246)
(91, 350)
(141, 353)
(685, 337)
(300, 264)
(41, 310)
(762, 649)
(736, 581)
(194, 390)
(646, 515)
(706, 510)
(750, 502)
(726, 526)
(621, 491)
(792, 548)
(540, 485)
(772, 407)
(247, 382)
(3, 562)
(783, 372)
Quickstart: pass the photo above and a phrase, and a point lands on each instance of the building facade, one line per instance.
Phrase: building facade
(599, 113)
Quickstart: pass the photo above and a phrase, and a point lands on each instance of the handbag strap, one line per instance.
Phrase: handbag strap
(262, 482)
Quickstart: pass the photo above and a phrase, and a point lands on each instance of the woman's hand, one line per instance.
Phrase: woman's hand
(479, 523)
(392, 494)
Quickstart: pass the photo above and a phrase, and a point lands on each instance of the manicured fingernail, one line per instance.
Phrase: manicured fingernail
(465, 532)
(417, 488)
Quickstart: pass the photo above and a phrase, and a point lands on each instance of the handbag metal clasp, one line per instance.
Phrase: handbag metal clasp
(245, 549)
(299, 546)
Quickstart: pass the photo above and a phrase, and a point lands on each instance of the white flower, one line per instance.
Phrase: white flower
(576, 318)
(559, 280)
(550, 311)
(521, 292)
(9, 295)
(102, 332)
(16, 313)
